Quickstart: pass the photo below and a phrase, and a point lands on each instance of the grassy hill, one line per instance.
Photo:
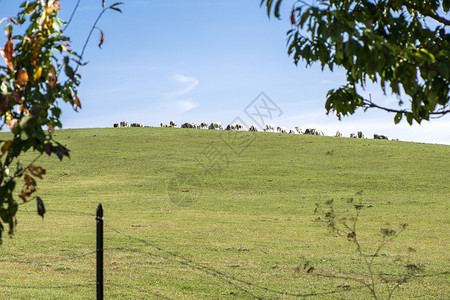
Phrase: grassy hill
(212, 214)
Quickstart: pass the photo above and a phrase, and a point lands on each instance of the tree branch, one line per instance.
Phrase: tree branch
(112, 7)
(427, 13)
(371, 104)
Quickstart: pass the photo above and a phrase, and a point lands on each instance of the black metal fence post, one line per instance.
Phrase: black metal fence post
(99, 220)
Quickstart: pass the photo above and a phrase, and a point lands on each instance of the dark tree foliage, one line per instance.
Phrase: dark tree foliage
(404, 46)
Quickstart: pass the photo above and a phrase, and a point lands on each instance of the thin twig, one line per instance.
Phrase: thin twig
(72, 15)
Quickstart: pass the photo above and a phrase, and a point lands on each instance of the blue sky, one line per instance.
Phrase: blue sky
(206, 60)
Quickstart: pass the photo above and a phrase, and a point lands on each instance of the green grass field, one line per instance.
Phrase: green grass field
(200, 214)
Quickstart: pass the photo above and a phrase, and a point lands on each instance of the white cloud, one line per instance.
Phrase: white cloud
(185, 105)
(188, 83)
(185, 85)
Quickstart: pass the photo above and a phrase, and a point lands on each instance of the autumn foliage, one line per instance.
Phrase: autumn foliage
(39, 71)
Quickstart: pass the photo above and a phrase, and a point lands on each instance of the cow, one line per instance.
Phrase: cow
(338, 134)
(360, 135)
(204, 125)
(281, 129)
(231, 127)
(311, 131)
(189, 125)
(215, 126)
(239, 126)
(116, 125)
(172, 123)
(291, 131)
(269, 127)
(380, 137)
(124, 124)
(353, 136)
(253, 128)
(298, 129)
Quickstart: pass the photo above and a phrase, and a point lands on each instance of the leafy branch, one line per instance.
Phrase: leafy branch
(37, 74)
(387, 42)
(94, 26)
(426, 12)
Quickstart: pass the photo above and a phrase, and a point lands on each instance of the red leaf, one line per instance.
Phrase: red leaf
(7, 54)
(28, 188)
(9, 49)
(7, 145)
(293, 22)
(17, 97)
(48, 148)
(102, 39)
(76, 103)
(22, 78)
(4, 104)
(37, 171)
(52, 77)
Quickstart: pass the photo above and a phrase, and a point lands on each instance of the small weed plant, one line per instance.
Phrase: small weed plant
(384, 273)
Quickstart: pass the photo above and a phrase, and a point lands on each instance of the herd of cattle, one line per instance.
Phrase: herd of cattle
(253, 128)
(126, 124)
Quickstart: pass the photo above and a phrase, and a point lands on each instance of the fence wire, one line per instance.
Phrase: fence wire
(240, 284)
(46, 287)
(61, 211)
(136, 289)
(37, 262)
(227, 278)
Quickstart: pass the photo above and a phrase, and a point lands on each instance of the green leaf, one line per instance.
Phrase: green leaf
(374, 41)
(8, 31)
(444, 70)
(446, 5)
(398, 117)
(277, 9)
(4, 215)
(409, 118)
(56, 26)
(13, 208)
(40, 206)
(269, 6)
(69, 72)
